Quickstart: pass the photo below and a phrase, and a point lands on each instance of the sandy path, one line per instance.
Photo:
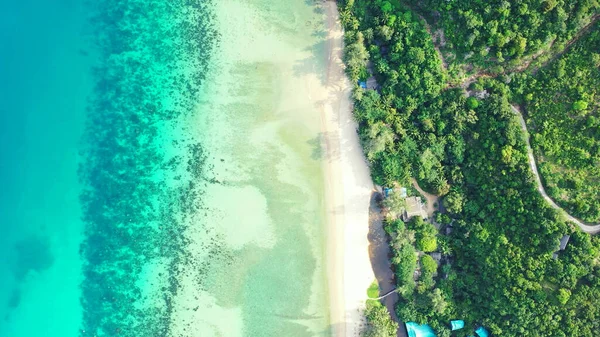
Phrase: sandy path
(431, 199)
(348, 188)
(592, 229)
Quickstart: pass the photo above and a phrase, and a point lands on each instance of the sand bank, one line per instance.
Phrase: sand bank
(257, 254)
(348, 188)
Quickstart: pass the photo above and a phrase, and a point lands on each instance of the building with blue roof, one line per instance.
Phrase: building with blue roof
(415, 330)
(457, 324)
(482, 332)
(387, 191)
(403, 192)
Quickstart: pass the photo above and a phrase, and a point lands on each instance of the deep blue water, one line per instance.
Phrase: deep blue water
(45, 81)
(97, 167)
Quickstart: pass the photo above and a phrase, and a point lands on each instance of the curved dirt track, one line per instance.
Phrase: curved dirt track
(591, 229)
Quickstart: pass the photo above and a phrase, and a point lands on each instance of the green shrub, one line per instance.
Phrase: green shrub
(428, 264)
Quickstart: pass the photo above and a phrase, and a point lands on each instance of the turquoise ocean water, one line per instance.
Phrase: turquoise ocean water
(120, 215)
(45, 82)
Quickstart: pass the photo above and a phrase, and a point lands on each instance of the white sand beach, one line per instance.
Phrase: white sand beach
(348, 188)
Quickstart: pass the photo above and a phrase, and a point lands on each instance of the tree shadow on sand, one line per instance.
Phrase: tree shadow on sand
(315, 63)
(324, 146)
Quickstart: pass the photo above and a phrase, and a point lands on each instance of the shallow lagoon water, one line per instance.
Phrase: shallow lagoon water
(261, 127)
(161, 169)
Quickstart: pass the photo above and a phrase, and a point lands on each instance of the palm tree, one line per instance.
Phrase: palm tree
(379, 136)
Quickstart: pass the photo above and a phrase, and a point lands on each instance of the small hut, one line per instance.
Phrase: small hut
(482, 332)
(437, 257)
(414, 207)
(419, 330)
(448, 230)
(562, 245)
(564, 241)
(372, 83)
(387, 191)
(403, 192)
(457, 324)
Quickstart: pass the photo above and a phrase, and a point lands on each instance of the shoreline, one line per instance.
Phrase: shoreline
(380, 252)
(348, 188)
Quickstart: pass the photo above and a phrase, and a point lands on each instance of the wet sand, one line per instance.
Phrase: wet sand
(380, 254)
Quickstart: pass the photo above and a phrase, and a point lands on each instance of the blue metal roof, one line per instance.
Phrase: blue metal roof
(482, 332)
(457, 324)
(416, 330)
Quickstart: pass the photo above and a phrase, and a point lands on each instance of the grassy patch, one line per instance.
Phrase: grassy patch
(373, 290)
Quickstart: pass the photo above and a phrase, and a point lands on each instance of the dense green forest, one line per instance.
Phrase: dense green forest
(504, 31)
(561, 103)
(379, 322)
(410, 126)
(497, 267)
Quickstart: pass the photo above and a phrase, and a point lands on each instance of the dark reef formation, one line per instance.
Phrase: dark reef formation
(143, 171)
